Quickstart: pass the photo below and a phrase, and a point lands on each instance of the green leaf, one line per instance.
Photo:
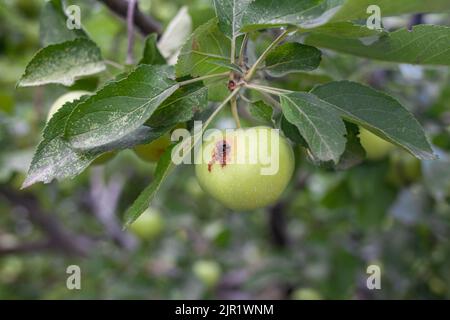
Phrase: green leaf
(378, 113)
(141, 204)
(229, 13)
(346, 29)
(425, 44)
(263, 14)
(206, 45)
(56, 159)
(181, 106)
(292, 57)
(357, 9)
(63, 63)
(120, 107)
(261, 111)
(317, 122)
(151, 53)
(53, 25)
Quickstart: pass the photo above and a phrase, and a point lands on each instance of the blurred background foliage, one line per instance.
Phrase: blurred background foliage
(316, 243)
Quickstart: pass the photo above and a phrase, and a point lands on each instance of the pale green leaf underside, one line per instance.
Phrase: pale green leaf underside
(120, 107)
(63, 63)
(292, 57)
(318, 123)
(377, 112)
(425, 44)
(180, 106)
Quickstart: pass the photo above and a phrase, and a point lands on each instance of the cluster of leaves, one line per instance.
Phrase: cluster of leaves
(140, 105)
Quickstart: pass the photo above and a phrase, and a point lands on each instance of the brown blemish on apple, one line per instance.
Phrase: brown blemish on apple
(219, 154)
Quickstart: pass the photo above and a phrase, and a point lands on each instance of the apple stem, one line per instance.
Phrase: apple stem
(234, 112)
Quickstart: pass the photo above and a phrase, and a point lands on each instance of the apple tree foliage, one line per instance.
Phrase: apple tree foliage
(222, 64)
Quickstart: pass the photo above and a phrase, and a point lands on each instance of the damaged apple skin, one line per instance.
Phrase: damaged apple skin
(241, 185)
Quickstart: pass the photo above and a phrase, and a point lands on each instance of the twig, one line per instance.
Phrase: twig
(145, 24)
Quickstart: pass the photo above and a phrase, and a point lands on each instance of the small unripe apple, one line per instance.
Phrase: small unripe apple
(151, 152)
(207, 271)
(149, 225)
(306, 294)
(233, 171)
(376, 148)
(67, 97)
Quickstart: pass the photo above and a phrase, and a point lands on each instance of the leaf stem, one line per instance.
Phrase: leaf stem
(186, 82)
(242, 51)
(194, 140)
(271, 90)
(261, 58)
(234, 112)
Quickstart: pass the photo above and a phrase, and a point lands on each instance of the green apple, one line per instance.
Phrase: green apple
(149, 225)
(207, 271)
(151, 152)
(67, 97)
(232, 170)
(306, 294)
(376, 148)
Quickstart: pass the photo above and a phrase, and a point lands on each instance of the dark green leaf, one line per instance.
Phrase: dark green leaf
(262, 112)
(292, 57)
(263, 14)
(181, 106)
(63, 63)
(229, 13)
(141, 204)
(318, 123)
(292, 132)
(120, 107)
(354, 153)
(425, 44)
(151, 53)
(377, 112)
(56, 159)
(357, 9)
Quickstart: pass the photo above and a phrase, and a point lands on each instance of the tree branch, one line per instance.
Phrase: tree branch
(145, 24)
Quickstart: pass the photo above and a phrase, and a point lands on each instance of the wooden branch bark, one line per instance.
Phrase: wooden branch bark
(144, 23)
